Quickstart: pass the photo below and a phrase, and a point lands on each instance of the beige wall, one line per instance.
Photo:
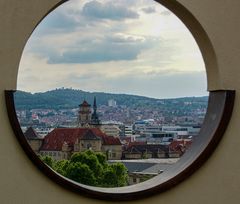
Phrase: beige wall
(115, 151)
(218, 181)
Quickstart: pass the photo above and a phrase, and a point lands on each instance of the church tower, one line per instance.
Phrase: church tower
(84, 114)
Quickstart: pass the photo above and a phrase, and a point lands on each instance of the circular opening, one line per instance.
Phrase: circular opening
(137, 60)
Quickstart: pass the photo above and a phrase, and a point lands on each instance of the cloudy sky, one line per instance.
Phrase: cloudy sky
(116, 46)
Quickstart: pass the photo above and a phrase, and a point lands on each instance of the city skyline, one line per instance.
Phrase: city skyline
(101, 46)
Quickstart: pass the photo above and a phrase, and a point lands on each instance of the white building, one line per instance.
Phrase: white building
(112, 103)
(111, 130)
(42, 132)
(128, 130)
(179, 130)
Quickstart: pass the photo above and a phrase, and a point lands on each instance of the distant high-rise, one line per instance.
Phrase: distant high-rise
(112, 103)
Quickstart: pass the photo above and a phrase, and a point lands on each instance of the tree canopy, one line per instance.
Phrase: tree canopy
(90, 168)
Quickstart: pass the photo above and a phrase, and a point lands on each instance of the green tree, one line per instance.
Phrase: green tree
(61, 166)
(102, 159)
(115, 175)
(90, 159)
(81, 173)
(109, 178)
(121, 172)
(48, 160)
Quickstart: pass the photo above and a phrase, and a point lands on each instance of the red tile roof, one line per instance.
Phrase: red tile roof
(136, 143)
(110, 140)
(179, 144)
(55, 139)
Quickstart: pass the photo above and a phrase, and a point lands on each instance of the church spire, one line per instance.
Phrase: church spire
(94, 106)
(95, 120)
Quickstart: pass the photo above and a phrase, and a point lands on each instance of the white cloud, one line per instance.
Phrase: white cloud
(140, 50)
(149, 10)
(108, 10)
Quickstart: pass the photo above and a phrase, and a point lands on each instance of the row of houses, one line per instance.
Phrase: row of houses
(61, 143)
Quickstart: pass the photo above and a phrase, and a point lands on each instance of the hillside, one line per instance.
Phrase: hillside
(71, 98)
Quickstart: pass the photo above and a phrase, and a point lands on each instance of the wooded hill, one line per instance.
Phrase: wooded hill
(65, 98)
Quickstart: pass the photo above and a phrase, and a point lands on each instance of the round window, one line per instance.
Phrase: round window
(112, 98)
